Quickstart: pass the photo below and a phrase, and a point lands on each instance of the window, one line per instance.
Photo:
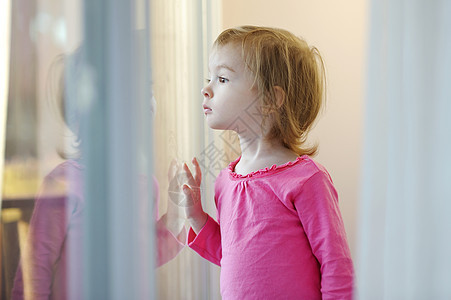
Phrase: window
(87, 151)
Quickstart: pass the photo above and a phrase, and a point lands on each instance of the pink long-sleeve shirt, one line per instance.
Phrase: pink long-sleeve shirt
(279, 234)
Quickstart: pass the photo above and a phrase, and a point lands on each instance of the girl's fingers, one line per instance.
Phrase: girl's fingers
(198, 172)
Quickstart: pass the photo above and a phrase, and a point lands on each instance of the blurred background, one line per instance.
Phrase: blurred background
(384, 134)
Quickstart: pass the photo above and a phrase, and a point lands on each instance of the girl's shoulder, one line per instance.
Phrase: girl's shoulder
(310, 165)
(303, 165)
(307, 169)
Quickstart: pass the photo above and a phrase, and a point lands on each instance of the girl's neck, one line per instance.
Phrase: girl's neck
(258, 153)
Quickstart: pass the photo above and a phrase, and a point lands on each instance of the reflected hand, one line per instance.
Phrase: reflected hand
(174, 218)
(193, 204)
(176, 178)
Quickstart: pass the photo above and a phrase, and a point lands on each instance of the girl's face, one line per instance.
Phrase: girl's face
(230, 99)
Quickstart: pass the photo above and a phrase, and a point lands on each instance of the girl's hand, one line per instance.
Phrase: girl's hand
(193, 204)
(191, 187)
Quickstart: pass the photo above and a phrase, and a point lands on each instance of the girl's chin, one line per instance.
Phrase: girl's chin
(223, 123)
(215, 125)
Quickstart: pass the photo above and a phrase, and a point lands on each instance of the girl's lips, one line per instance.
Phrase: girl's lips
(206, 109)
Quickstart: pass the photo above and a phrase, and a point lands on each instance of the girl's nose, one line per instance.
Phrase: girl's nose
(206, 92)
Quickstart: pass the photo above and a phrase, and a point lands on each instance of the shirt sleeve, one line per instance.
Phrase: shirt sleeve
(317, 207)
(208, 242)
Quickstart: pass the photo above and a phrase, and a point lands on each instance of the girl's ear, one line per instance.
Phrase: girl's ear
(280, 95)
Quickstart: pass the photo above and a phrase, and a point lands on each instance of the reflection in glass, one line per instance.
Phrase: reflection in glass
(44, 235)
(85, 210)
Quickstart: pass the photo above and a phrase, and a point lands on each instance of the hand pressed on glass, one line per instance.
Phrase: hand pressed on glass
(190, 200)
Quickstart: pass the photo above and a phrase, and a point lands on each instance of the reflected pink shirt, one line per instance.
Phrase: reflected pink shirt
(56, 232)
(279, 234)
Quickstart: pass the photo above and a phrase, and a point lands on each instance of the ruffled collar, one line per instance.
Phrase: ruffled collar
(266, 171)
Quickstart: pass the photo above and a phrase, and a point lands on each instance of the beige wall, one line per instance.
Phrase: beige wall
(338, 30)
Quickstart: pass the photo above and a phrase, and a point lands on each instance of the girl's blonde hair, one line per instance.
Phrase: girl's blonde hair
(277, 58)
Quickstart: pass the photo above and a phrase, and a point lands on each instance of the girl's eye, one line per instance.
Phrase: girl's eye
(207, 80)
(222, 79)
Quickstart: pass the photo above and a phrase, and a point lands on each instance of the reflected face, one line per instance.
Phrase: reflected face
(229, 96)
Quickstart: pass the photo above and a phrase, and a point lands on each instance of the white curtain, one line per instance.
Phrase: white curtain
(405, 224)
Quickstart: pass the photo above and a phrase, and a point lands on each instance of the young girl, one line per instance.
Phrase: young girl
(279, 233)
